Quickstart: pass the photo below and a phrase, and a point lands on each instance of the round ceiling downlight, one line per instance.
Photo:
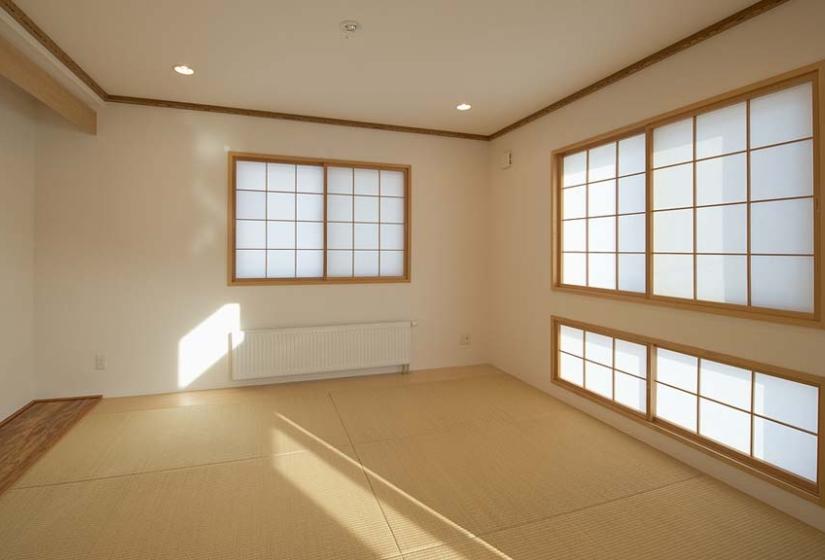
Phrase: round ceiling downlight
(184, 70)
(464, 107)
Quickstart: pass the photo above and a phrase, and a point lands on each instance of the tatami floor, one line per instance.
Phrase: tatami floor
(460, 463)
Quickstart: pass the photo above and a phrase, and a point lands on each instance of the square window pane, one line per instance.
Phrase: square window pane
(310, 264)
(571, 369)
(677, 369)
(783, 226)
(310, 235)
(575, 169)
(632, 273)
(601, 198)
(366, 263)
(673, 231)
(310, 178)
(366, 237)
(722, 278)
(725, 425)
(673, 143)
(339, 236)
(310, 207)
(339, 180)
(782, 116)
(631, 392)
(366, 208)
(574, 235)
(392, 263)
(783, 283)
(632, 233)
(571, 340)
(574, 269)
(574, 202)
(602, 163)
(392, 210)
(632, 155)
(676, 407)
(784, 447)
(392, 183)
(722, 131)
(280, 264)
(790, 402)
(250, 264)
(783, 171)
(673, 187)
(250, 205)
(280, 206)
(602, 271)
(632, 194)
(722, 180)
(339, 263)
(601, 234)
(631, 357)
(250, 235)
(250, 175)
(392, 236)
(673, 276)
(366, 181)
(280, 235)
(339, 208)
(280, 177)
(722, 229)
(598, 348)
(728, 384)
(598, 379)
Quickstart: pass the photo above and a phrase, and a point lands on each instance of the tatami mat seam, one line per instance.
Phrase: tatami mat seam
(363, 469)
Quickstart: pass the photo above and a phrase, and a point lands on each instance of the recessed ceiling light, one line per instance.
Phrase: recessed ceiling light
(464, 107)
(348, 27)
(184, 69)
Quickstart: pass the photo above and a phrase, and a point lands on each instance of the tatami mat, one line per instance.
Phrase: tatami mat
(462, 464)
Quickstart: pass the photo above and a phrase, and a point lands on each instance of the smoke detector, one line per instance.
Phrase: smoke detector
(349, 27)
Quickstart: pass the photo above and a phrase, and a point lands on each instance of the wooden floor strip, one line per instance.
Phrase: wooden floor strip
(30, 433)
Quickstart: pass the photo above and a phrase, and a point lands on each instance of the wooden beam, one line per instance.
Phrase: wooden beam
(30, 77)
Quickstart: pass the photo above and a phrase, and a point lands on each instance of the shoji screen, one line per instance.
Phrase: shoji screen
(603, 216)
(733, 203)
(317, 221)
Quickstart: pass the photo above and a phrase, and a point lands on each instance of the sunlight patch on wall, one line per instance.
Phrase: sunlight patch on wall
(208, 342)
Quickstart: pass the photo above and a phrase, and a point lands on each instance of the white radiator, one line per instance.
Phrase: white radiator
(297, 351)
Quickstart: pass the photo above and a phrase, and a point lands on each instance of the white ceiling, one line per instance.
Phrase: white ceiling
(411, 63)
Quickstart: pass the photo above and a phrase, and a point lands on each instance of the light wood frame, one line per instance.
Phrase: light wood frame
(232, 280)
(815, 74)
(811, 491)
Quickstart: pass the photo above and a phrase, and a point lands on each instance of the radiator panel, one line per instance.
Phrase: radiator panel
(296, 351)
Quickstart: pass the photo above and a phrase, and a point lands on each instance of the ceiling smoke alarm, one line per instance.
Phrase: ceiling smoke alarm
(349, 27)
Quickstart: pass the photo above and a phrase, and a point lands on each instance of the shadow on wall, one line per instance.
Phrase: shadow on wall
(208, 343)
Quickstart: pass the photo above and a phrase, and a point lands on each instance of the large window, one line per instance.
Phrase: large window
(715, 207)
(763, 417)
(317, 221)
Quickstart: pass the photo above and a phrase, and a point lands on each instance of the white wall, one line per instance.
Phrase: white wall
(18, 133)
(132, 246)
(783, 39)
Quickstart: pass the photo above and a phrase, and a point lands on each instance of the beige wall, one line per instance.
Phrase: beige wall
(788, 37)
(132, 246)
(18, 128)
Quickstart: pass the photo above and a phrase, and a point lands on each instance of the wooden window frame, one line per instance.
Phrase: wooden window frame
(814, 492)
(232, 280)
(814, 74)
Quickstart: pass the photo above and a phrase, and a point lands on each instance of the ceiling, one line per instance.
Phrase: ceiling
(410, 64)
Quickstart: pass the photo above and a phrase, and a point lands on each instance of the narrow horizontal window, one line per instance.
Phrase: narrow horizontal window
(765, 419)
(716, 208)
(324, 221)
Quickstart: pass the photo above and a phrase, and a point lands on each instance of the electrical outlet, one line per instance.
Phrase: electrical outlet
(464, 340)
(100, 362)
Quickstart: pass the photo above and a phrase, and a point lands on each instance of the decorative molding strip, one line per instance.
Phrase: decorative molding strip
(714, 29)
(289, 116)
(729, 22)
